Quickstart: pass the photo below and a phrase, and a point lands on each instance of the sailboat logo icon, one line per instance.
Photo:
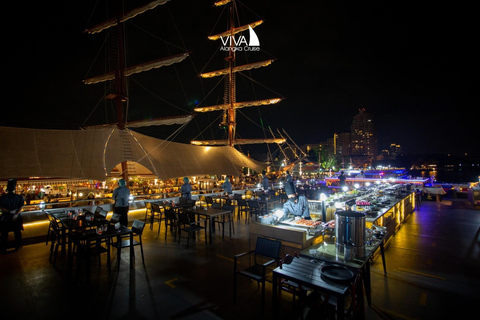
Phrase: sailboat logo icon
(253, 38)
(232, 43)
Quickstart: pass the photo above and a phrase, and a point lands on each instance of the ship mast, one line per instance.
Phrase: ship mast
(121, 71)
(121, 88)
(230, 104)
(231, 81)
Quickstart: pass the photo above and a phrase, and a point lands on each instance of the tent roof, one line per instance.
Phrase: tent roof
(93, 153)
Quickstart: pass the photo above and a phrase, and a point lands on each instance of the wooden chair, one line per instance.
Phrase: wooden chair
(185, 223)
(266, 255)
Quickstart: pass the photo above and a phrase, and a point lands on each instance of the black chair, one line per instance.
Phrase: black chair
(304, 293)
(55, 238)
(148, 210)
(354, 303)
(100, 213)
(202, 202)
(190, 202)
(83, 249)
(115, 218)
(243, 208)
(156, 214)
(171, 221)
(266, 256)
(216, 205)
(137, 228)
(283, 198)
(189, 225)
(50, 227)
(209, 201)
(254, 208)
(226, 218)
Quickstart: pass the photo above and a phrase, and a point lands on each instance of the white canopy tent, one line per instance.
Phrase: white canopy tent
(93, 153)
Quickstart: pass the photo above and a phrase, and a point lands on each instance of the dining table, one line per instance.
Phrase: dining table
(222, 199)
(107, 235)
(329, 252)
(209, 214)
(72, 223)
(311, 273)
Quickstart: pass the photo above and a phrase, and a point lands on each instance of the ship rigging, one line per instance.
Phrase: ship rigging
(233, 41)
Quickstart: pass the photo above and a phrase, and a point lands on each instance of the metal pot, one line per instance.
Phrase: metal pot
(350, 233)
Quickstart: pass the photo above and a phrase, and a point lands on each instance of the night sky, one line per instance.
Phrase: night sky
(409, 64)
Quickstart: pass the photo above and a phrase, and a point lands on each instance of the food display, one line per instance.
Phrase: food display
(362, 203)
(309, 223)
(330, 224)
(372, 206)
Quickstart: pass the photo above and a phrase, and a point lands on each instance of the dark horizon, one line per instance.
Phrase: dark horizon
(405, 65)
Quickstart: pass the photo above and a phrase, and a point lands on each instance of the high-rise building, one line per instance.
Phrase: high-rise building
(363, 135)
(395, 150)
(343, 144)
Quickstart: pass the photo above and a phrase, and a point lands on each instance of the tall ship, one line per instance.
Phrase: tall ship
(232, 41)
(119, 70)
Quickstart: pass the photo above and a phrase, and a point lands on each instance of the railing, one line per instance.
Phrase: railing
(35, 221)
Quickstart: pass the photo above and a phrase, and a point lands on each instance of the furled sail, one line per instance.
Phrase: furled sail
(244, 67)
(129, 15)
(221, 3)
(139, 68)
(238, 105)
(166, 121)
(236, 142)
(162, 121)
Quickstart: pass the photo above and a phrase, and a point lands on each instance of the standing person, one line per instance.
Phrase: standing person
(186, 189)
(11, 204)
(227, 186)
(289, 186)
(265, 182)
(342, 179)
(121, 196)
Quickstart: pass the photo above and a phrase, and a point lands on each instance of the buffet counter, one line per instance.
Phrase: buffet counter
(391, 212)
(384, 212)
(293, 238)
